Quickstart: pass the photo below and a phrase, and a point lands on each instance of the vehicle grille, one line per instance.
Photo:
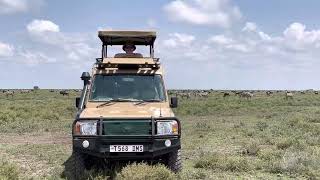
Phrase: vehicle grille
(127, 127)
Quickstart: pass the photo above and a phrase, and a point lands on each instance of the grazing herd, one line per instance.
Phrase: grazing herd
(186, 94)
(12, 92)
(183, 94)
(247, 95)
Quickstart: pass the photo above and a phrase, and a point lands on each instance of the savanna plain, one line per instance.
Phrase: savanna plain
(267, 137)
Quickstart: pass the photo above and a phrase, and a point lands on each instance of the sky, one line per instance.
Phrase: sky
(203, 44)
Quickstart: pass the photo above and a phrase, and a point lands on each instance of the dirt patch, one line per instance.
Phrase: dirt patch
(28, 166)
(35, 138)
(31, 165)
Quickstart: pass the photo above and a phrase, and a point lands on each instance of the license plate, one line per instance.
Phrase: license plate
(126, 148)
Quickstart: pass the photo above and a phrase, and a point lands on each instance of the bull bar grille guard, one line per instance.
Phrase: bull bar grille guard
(152, 136)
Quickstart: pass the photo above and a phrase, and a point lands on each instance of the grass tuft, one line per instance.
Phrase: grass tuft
(143, 171)
(8, 171)
(224, 163)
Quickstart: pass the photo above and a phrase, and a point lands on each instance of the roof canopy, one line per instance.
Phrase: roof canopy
(110, 37)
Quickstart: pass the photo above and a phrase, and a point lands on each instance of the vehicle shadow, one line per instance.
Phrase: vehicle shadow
(97, 169)
(100, 168)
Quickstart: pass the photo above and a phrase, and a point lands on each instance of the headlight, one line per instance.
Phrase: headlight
(167, 128)
(86, 128)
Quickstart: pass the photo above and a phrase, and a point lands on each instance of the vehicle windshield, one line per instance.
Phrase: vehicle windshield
(127, 88)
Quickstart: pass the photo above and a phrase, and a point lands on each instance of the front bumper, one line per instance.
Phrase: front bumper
(153, 145)
(100, 147)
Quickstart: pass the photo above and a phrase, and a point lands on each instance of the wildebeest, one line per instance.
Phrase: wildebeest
(226, 94)
(247, 95)
(203, 94)
(302, 92)
(24, 91)
(269, 93)
(64, 93)
(289, 95)
(9, 93)
(184, 95)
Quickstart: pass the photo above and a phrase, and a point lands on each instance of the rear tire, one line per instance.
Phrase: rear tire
(75, 168)
(174, 162)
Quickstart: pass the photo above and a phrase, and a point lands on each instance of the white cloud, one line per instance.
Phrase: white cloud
(295, 31)
(17, 6)
(35, 58)
(6, 50)
(71, 48)
(221, 39)
(12, 6)
(42, 26)
(250, 27)
(219, 13)
(298, 38)
(239, 47)
(264, 36)
(295, 49)
(178, 40)
(74, 45)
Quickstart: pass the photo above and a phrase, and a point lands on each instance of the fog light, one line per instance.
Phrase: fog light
(85, 143)
(167, 143)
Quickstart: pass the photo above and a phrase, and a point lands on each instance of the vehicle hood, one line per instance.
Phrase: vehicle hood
(125, 109)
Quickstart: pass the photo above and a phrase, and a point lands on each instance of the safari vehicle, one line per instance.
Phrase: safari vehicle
(124, 112)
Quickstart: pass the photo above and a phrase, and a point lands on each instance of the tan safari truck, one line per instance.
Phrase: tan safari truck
(124, 112)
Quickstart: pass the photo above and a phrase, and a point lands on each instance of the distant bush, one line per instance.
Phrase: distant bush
(251, 149)
(285, 143)
(261, 125)
(291, 162)
(203, 126)
(144, 171)
(8, 171)
(224, 163)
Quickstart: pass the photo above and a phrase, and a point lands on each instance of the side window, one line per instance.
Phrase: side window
(94, 87)
(159, 87)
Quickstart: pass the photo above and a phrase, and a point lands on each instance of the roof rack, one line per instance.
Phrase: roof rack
(136, 63)
(111, 37)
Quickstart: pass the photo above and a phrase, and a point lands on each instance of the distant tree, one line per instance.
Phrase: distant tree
(36, 88)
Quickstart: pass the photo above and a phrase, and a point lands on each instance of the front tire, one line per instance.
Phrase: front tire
(174, 162)
(75, 168)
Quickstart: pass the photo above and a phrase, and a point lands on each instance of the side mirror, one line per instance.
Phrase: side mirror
(77, 102)
(85, 77)
(174, 102)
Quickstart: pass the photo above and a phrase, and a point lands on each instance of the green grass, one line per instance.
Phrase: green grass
(222, 138)
(36, 111)
(8, 171)
(144, 171)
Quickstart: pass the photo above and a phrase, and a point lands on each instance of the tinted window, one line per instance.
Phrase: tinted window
(106, 87)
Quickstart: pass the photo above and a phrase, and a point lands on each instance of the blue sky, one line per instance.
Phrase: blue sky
(204, 44)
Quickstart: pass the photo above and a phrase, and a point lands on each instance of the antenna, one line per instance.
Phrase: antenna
(160, 115)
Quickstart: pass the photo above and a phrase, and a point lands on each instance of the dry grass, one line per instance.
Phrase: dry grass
(144, 171)
(267, 137)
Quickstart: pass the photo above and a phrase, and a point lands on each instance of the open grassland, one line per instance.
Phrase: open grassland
(266, 137)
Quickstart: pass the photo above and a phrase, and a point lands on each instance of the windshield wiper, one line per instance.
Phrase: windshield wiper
(152, 100)
(104, 104)
(119, 100)
(126, 100)
(148, 100)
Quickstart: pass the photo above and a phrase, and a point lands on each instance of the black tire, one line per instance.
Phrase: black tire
(174, 162)
(75, 167)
